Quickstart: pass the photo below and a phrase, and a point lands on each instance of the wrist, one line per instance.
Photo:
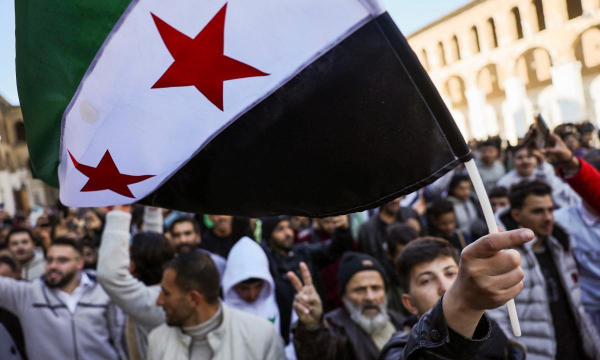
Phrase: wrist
(573, 164)
(459, 315)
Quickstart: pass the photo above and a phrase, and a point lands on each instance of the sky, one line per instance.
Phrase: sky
(409, 15)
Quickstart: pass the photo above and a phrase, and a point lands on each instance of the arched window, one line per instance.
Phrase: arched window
(425, 59)
(475, 36)
(539, 11)
(518, 26)
(442, 54)
(574, 8)
(20, 132)
(493, 35)
(456, 47)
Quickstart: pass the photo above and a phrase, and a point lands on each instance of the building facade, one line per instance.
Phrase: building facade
(497, 63)
(19, 192)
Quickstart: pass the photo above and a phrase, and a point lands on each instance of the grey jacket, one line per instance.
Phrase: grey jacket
(93, 331)
(538, 333)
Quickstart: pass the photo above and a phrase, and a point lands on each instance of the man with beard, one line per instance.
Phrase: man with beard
(66, 314)
(185, 234)
(371, 237)
(199, 326)
(456, 327)
(554, 324)
(363, 326)
(529, 167)
(285, 256)
(22, 246)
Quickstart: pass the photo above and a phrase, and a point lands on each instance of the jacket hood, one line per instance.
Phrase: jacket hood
(248, 260)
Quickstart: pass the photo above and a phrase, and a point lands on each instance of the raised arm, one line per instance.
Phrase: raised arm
(133, 296)
(327, 252)
(312, 338)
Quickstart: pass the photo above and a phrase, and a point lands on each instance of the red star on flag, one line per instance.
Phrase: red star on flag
(106, 176)
(200, 61)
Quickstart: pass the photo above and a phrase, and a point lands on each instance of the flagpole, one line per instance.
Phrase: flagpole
(493, 228)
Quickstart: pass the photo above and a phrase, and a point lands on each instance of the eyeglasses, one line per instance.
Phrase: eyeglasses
(60, 260)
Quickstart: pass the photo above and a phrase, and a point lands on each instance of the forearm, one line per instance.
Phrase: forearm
(460, 318)
(316, 343)
(153, 220)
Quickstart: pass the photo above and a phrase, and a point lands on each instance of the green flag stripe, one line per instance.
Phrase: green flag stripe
(56, 41)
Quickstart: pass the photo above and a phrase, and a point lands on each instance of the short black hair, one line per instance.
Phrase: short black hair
(10, 262)
(519, 192)
(65, 241)
(497, 192)
(457, 179)
(195, 270)
(439, 208)
(149, 252)
(18, 230)
(420, 251)
(184, 219)
(490, 142)
(399, 234)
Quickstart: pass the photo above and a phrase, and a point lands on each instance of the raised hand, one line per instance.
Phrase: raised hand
(559, 154)
(487, 278)
(307, 302)
(341, 222)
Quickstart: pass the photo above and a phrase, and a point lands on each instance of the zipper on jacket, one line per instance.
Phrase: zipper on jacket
(74, 337)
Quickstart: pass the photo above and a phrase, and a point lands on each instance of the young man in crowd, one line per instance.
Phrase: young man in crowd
(468, 213)
(397, 237)
(248, 285)
(57, 312)
(442, 223)
(428, 268)
(131, 274)
(371, 237)
(285, 256)
(31, 259)
(199, 326)
(455, 327)
(11, 332)
(490, 168)
(529, 167)
(554, 324)
(185, 234)
(361, 328)
(498, 198)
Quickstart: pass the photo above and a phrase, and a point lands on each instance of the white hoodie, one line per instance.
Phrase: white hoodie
(247, 260)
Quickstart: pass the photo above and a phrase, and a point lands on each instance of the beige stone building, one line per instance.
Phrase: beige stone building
(18, 191)
(497, 63)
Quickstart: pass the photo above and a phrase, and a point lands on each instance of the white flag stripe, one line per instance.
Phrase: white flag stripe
(156, 131)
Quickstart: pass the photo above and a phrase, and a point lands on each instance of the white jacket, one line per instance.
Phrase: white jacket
(241, 336)
(248, 260)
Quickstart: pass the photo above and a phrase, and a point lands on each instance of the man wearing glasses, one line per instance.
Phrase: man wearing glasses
(65, 314)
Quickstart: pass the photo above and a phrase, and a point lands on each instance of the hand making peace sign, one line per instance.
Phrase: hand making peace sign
(307, 302)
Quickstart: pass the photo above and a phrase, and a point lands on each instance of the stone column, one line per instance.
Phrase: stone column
(568, 84)
(476, 100)
(517, 109)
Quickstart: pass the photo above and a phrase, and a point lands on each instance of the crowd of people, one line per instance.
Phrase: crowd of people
(408, 280)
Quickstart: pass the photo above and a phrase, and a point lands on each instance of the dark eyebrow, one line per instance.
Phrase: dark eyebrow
(449, 266)
(424, 273)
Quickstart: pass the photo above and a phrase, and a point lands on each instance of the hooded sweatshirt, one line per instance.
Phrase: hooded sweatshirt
(247, 260)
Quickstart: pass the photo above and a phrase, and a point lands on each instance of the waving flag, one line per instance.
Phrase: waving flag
(308, 107)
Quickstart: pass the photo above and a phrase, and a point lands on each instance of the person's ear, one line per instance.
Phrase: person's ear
(131, 267)
(516, 215)
(196, 298)
(407, 302)
(80, 262)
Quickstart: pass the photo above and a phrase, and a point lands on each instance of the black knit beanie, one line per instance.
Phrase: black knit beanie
(270, 223)
(353, 262)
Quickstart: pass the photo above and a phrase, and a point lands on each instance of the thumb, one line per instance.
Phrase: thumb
(489, 245)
